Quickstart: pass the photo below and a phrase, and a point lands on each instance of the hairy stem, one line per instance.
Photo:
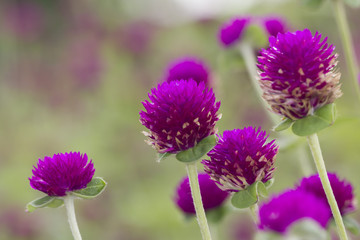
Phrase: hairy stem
(69, 205)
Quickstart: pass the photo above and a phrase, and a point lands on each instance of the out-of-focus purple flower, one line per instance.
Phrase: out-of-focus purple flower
(342, 189)
(188, 68)
(297, 74)
(83, 61)
(274, 26)
(25, 19)
(62, 173)
(241, 158)
(232, 31)
(181, 113)
(283, 210)
(212, 196)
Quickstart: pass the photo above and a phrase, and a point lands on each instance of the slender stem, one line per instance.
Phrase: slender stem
(69, 205)
(246, 52)
(199, 208)
(254, 209)
(320, 166)
(347, 43)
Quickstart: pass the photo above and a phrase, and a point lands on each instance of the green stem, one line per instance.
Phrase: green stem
(69, 205)
(199, 208)
(254, 209)
(347, 43)
(246, 52)
(320, 166)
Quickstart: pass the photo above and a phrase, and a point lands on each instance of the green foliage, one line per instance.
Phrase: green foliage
(47, 201)
(283, 125)
(195, 153)
(92, 190)
(322, 118)
(250, 196)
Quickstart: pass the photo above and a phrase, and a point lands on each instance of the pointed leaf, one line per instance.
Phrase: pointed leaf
(163, 156)
(352, 225)
(93, 189)
(46, 201)
(322, 118)
(195, 153)
(269, 183)
(262, 190)
(243, 199)
(283, 125)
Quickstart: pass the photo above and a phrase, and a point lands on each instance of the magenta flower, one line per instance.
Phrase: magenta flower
(274, 26)
(188, 68)
(297, 74)
(241, 158)
(212, 196)
(232, 31)
(342, 189)
(62, 173)
(281, 211)
(179, 115)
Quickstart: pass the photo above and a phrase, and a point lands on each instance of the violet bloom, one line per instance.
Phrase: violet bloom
(274, 26)
(297, 74)
(188, 68)
(62, 173)
(232, 31)
(212, 196)
(281, 211)
(179, 115)
(342, 189)
(241, 158)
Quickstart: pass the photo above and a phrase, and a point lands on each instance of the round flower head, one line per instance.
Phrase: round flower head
(188, 68)
(231, 32)
(212, 196)
(181, 113)
(62, 173)
(274, 26)
(241, 158)
(342, 189)
(297, 74)
(290, 206)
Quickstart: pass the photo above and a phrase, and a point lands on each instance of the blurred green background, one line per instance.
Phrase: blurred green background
(72, 78)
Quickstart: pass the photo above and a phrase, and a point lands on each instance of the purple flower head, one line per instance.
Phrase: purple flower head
(297, 74)
(290, 206)
(342, 189)
(274, 26)
(188, 68)
(179, 115)
(241, 158)
(212, 196)
(62, 173)
(231, 31)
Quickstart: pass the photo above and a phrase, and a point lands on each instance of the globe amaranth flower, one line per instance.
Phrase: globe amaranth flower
(179, 115)
(343, 191)
(274, 25)
(188, 68)
(283, 210)
(62, 173)
(232, 31)
(241, 158)
(212, 196)
(297, 74)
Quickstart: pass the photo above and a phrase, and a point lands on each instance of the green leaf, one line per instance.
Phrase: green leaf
(93, 189)
(353, 3)
(314, 4)
(163, 156)
(322, 118)
(195, 153)
(46, 201)
(243, 199)
(269, 183)
(283, 125)
(352, 225)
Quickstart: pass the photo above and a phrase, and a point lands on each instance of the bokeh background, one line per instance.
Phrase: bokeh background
(72, 78)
